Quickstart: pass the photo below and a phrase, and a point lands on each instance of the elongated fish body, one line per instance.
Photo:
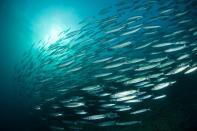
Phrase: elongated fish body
(107, 72)
(191, 70)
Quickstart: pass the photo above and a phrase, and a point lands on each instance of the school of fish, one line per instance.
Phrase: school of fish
(125, 56)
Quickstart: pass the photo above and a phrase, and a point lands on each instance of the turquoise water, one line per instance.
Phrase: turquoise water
(98, 65)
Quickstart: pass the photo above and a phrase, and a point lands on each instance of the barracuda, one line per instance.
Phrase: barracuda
(115, 64)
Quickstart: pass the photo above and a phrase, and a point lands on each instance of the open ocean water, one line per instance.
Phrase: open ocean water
(102, 65)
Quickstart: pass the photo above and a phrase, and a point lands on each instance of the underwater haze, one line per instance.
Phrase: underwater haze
(100, 65)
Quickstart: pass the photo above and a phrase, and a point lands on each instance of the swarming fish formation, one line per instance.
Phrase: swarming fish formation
(117, 60)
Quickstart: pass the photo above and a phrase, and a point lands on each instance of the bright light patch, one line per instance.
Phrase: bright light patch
(52, 22)
(52, 37)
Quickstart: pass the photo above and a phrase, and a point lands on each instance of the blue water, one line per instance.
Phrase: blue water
(26, 22)
(22, 23)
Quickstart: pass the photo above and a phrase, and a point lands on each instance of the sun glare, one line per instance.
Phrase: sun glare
(52, 36)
